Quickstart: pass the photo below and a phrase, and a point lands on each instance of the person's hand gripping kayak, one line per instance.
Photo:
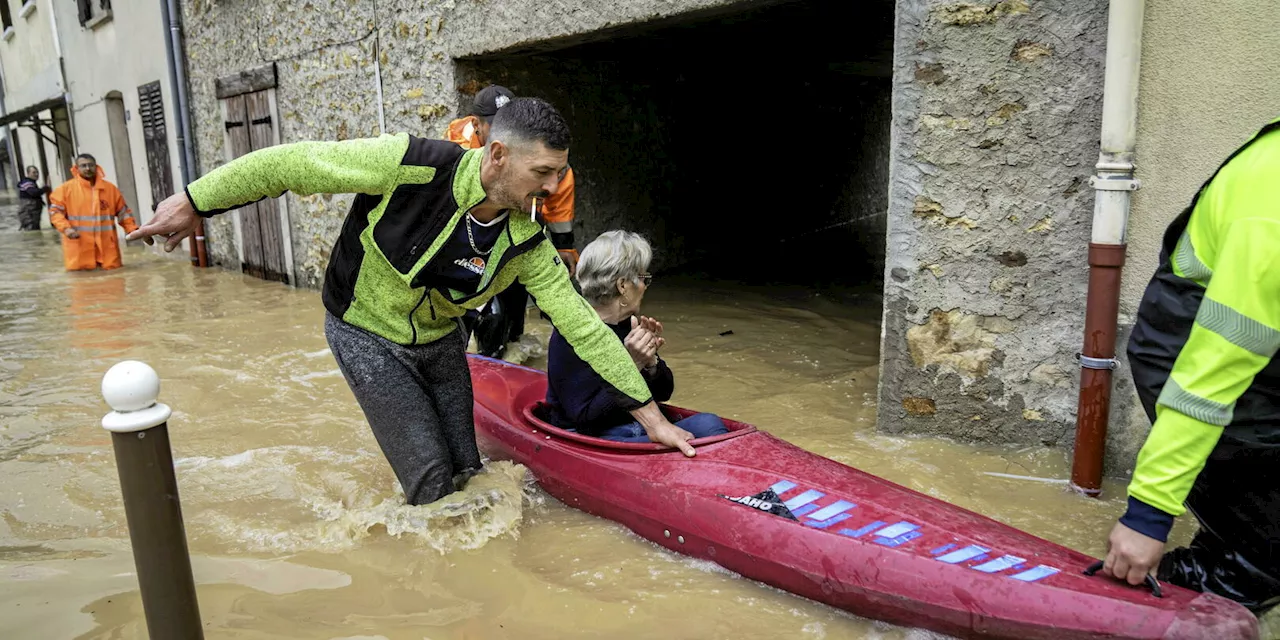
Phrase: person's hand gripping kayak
(661, 431)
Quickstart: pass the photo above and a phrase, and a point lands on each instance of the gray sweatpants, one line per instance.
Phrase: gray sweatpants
(417, 400)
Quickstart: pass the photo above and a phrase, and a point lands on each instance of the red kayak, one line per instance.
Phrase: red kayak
(781, 515)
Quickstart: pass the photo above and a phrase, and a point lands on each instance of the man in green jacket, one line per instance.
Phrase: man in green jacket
(1203, 359)
(434, 231)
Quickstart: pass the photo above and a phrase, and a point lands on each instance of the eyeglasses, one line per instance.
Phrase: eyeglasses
(646, 278)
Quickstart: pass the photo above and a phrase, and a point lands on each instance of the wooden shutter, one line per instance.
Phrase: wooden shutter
(155, 134)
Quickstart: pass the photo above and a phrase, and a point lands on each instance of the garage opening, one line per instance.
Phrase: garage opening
(751, 146)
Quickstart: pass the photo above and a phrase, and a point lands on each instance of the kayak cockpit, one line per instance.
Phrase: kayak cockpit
(534, 417)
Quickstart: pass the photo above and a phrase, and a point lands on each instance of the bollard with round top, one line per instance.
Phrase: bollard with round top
(140, 436)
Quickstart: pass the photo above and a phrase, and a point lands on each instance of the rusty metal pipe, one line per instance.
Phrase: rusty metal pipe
(140, 436)
(203, 257)
(1114, 184)
(191, 246)
(1097, 363)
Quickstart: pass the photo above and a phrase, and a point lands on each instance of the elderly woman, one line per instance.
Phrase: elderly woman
(613, 273)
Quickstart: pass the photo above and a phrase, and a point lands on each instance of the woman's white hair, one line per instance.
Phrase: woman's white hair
(612, 256)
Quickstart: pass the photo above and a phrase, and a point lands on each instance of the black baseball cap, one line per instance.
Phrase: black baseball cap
(490, 99)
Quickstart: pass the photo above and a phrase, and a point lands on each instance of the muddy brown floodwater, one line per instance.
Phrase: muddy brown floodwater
(296, 524)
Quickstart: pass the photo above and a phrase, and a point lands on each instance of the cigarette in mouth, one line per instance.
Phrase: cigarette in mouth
(533, 210)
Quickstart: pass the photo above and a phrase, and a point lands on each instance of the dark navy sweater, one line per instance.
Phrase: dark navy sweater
(29, 190)
(580, 399)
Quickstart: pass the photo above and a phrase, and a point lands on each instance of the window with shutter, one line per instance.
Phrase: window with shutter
(156, 138)
(93, 12)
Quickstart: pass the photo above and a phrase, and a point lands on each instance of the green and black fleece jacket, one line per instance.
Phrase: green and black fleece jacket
(411, 195)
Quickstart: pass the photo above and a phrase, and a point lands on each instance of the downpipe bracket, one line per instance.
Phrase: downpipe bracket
(1087, 362)
(1117, 183)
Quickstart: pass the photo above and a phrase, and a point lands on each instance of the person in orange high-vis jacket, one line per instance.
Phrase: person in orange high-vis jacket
(502, 321)
(85, 210)
(557, 212)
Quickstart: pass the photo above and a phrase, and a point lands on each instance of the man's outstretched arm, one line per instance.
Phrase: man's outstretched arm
(368, 165)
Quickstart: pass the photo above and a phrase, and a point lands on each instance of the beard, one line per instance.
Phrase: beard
(504, 194)
(508, 196)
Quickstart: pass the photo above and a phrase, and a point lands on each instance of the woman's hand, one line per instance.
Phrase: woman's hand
(655, 329)
(652, 325)
(643, 345)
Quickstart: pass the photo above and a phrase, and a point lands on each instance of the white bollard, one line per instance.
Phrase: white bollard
(140, 437)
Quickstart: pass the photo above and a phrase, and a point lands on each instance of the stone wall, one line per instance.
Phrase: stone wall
(996, 117)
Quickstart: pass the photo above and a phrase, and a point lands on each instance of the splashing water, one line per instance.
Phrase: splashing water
(290, 499)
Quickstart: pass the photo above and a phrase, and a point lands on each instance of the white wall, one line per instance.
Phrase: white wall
(30, 57)
(119, 55)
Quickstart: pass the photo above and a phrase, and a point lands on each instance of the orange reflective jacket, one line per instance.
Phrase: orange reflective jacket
(557, 210)
(465, 132)
(92, 209)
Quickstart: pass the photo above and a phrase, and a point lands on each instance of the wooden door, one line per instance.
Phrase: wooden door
(237, 125)
(261, 136)
(249, 128)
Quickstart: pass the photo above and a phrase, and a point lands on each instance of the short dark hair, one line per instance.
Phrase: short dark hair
(32, 166)
(531, 119)
(86, 155)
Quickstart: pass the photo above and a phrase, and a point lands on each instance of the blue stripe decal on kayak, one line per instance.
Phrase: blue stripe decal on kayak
(861, 532)
(803, 499)
(897, 530)
(823, 524)
(978, 559)
(999, 564)
(1031, 575)
(967, 553)
(805, 509)
(893, 542)
(830, 511)
(943, 549)
(782, 486)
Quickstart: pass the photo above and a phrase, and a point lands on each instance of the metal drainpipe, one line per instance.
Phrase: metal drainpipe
(171, 15)
(1114, 183)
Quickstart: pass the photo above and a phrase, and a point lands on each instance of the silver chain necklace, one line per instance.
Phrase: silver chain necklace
(472, 239)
